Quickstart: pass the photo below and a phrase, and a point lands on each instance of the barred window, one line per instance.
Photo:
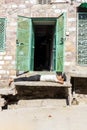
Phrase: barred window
(82, 38)
(44, 1)
(2, 33)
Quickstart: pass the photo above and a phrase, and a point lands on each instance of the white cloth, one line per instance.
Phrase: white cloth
(51, 78)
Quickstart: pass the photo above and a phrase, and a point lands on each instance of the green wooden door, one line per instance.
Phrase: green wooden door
(53, 68)
(32, 49)
(60, 36)
(23, 44)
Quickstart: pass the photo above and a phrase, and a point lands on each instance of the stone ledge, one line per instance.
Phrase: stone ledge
(39, 83)
(80, 74)
(7, 91)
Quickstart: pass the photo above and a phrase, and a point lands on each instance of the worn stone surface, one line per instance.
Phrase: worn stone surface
(47, 117)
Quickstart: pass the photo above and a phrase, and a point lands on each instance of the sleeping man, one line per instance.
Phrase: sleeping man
(58, 77)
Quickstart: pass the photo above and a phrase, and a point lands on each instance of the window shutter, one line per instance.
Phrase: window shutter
(60, 39)
(44, 1)
(23, 44)
(2, 34)
(82, 39)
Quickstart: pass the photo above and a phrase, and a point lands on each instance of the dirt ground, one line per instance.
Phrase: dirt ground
(45, 115)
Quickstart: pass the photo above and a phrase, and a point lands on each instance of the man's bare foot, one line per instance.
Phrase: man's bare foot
(10, 81)
(61, 81)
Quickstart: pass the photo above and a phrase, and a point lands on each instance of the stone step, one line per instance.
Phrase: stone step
(40, 83)
(39, 103)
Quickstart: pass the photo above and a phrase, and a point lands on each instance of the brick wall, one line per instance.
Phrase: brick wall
(10, 9)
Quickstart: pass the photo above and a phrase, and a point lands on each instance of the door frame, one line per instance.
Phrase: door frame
(42, 21)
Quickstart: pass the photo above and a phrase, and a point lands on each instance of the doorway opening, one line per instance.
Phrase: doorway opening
(43, 47)
(40, 44)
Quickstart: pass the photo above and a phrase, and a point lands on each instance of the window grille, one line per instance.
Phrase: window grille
(82, 38)
(2, 34)
(44, 1)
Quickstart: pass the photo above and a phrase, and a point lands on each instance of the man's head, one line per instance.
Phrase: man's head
(61, 75)
(64, 76)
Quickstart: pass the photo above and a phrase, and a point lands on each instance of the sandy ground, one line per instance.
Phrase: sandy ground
(45, 117)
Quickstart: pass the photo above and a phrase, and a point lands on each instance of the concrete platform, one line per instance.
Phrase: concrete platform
(66, 85)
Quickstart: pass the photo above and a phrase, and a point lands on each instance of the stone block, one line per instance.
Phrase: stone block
(14, 6)
(2, 102)
(22, 6)
(2, 62)
(1, 57)
(2, 71)
(71, 19)
(8, 58)
(0, 67)
(13, 62)
(2, 53)
(12, 72)
(72, 29)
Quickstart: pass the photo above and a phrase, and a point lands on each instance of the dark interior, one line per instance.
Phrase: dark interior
(82, 8)
(43, 47)
(79, 9)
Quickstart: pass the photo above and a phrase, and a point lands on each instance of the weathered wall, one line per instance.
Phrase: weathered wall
(41, 92)
(10, 9)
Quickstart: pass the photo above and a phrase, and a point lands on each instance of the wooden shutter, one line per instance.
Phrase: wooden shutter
(53, 66)
(60, 37)
(82, 38)
(23, 44)
(2, 33)
(32, 49)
